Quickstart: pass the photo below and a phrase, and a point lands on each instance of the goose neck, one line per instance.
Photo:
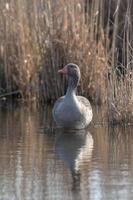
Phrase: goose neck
(72, 85)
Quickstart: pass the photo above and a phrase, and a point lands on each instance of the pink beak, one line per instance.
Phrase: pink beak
(63, 70)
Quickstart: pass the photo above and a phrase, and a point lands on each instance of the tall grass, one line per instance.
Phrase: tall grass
(120, 81)
(40, 36)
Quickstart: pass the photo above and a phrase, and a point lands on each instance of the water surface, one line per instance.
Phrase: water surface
(39, 161)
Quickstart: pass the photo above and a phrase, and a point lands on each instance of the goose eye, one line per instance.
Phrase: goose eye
(72, 67)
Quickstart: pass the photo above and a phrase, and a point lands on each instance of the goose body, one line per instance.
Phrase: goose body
(72, 111)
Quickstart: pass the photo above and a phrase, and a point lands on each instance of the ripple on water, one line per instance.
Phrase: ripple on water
(38, 162)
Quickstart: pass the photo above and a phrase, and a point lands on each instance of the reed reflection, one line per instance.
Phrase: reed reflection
(38, 161)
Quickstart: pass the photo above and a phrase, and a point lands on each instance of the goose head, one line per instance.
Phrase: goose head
(71, 70)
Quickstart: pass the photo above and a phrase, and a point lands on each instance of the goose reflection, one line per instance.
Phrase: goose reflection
(75, 147)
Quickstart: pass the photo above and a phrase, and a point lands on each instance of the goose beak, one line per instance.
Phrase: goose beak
(63, 70)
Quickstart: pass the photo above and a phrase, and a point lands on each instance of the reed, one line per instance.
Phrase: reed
(40, 36)
(120, 81)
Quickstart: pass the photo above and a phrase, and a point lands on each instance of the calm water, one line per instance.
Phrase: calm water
(41, 162)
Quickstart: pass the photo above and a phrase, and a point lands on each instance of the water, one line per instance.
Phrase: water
(41, 162)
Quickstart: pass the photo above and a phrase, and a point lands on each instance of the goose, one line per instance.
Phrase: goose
(72, 111)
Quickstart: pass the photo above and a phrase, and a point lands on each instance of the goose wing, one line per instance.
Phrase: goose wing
(84, 101)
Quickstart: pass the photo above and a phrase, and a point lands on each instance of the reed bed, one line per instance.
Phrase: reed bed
(39, 37)
(120, 65)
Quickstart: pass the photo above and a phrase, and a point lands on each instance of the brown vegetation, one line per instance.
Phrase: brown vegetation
(38, 37)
